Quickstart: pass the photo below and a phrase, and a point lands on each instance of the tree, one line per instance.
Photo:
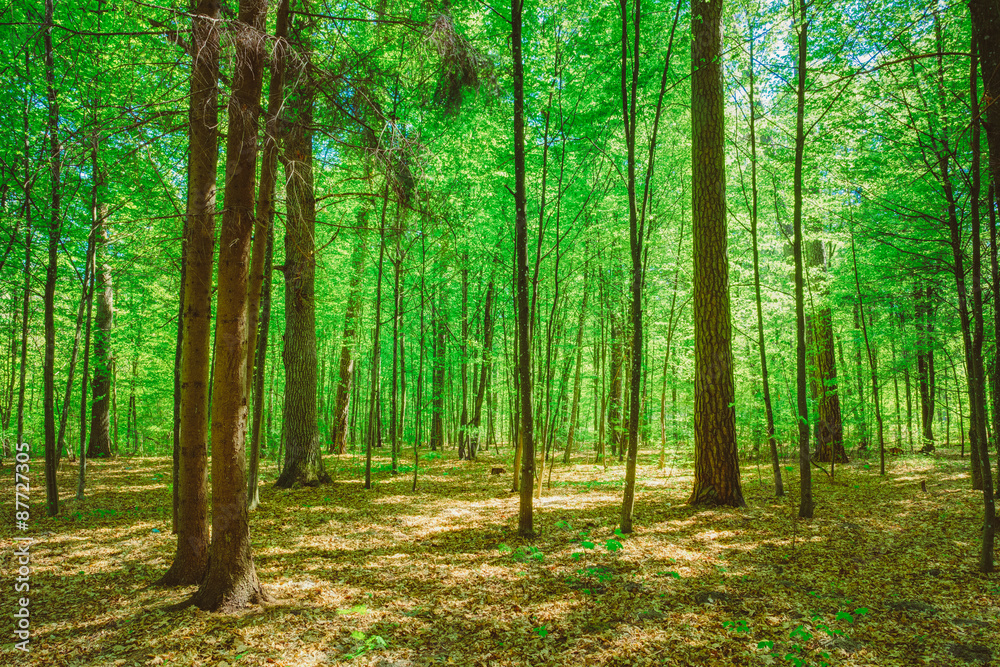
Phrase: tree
(191, 560)
(55, 169)
(765, 379)
(525, 524)
(348, 355)
(100, 418)
(303, 459)
(985, 44)
(231, 580)
(717, 472)
(802, 406)
(259, 305)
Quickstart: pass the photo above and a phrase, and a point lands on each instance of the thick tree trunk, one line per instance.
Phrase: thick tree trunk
(829, 425)
(303, 458)
(231, 580)
(716, 466)
(191, 560)
(100, 405)
(979, 400)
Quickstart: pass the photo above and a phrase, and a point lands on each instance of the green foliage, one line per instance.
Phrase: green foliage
(364, 644)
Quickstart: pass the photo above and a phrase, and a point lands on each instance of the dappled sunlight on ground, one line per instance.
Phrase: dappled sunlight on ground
(885, 574)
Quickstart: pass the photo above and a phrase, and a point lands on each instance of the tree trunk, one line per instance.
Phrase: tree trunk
(615, 398)
(48, 372)
(485, 371)
(261, 274)
(98, 213)
(100, 405)
(772, 442)
(716, 466)
(374, 435)
(437, 372)
(526, 515)
(81, 479)
(802, 406)
(303, 458)
(924, 309)
(978, 402)
(348, 357)
(231, 580)
(191, 560)
(578, 375)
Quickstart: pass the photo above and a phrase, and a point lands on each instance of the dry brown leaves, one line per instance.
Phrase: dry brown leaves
(884, 575)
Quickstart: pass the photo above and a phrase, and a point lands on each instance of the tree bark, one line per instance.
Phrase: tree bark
(48, 372)
(259, 298)
(303, 458)
(802, 406)
(437, 372)
(716, 467)
(979, 404)
(191, 560)
(526, 514)
(231, 580)
(100, 385)
(772, 442)
(925, 363)
(348, 356)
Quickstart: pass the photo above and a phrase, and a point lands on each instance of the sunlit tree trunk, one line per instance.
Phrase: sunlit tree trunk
(303, 458)
(191, 559)
(716, 467)
(100, 405)
(231, 580)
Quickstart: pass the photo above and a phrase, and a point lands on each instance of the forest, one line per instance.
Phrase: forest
(448, 332)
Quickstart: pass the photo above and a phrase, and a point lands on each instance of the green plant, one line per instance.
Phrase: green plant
(430, 456)
(542, 631)
(527, 552)
(365, 644)
(613, 546)
(739, 626)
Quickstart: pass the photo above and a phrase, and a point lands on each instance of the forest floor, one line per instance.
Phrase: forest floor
(886, 574)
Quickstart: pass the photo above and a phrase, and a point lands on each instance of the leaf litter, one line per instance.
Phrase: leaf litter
(884, 575)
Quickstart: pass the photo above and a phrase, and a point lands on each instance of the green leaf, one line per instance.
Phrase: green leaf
(356, 609)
